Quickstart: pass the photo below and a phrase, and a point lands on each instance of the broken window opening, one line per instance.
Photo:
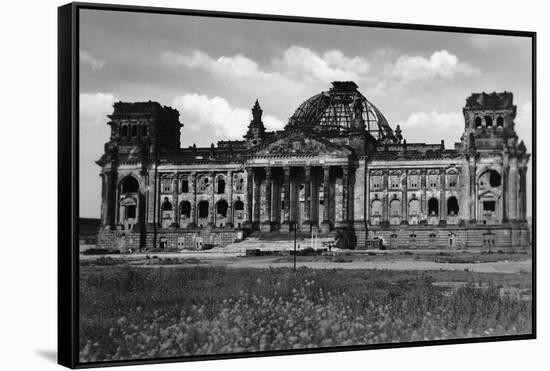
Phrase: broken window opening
(184, 186)
(489, 206)
(221, 186)
(166, 205)
(131, 212)
(221, 208)
(185, 209)
(494, 178)
(203, 209)
(433, 207)
(478, 122)
(452, 206)
(129, 185)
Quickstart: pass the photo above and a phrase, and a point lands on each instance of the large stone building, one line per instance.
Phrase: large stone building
(336, 165)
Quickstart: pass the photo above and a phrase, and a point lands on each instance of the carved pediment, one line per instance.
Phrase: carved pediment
(300, 144)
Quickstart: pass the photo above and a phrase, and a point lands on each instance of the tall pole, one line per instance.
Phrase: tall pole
(295, 224)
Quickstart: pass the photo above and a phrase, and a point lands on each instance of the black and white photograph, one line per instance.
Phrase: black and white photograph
(255, 186)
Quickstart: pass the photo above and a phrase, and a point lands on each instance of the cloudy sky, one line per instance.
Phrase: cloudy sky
(212, 70)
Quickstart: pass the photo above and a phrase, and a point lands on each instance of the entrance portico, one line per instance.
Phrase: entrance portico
(311, 192)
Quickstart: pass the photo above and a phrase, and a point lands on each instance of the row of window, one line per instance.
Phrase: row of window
(202, 208)
(414, 181)
(487, 121)
(414, 209)
(203, 184)
(133, 131)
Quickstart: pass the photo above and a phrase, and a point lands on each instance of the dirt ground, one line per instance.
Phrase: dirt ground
(395, 260)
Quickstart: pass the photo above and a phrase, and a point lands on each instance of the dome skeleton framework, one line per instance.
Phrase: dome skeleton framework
(334, 112)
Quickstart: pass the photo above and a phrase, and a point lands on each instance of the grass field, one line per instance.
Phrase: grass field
(132, 312)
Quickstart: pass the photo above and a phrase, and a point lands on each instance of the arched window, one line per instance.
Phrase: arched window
(129, 185)
(488, 121)
(166, 205)
(395, 207)
(185, 209)
(433, 207)
(221, 208)
(478, 122)
(143, 130)
(203, 209)
(239, 205)
(500, 121)
(134, 130)
(376, 208)
(452, 206)
(221, 185)
(124, 131)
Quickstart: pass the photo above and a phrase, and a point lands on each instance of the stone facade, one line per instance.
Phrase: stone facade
(336, 165)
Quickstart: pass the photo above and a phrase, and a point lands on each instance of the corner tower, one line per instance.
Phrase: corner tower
(141, 132)
(489, 121)
(496, 164)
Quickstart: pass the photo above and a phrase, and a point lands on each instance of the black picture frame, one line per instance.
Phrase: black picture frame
(68, 170)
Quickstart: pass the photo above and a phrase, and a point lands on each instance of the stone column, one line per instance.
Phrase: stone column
(505, 188)
(175, 196)
(105, 199)
(367, 196)
(345, 190)
(211, 208)
(404, 200)
(423, 196)
(193, 188)
(266, 223)
(326, 225)
(443, 197)
(229, 215)
(522, 194)
(464, 192)
(249, 190)
(385, 201)
(112, 202)
(473, 196)
(256, 217)
(512, 195)
(306, 223)
(285, 225)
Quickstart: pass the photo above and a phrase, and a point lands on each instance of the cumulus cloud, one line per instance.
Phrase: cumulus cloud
(333, 65)
(94, 108)
(236, 66)
(215, 116)
(432, 127)
(289, 74)
(87, 59)
(440, 65)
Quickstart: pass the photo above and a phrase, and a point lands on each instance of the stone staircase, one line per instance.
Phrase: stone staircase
(272, 242)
